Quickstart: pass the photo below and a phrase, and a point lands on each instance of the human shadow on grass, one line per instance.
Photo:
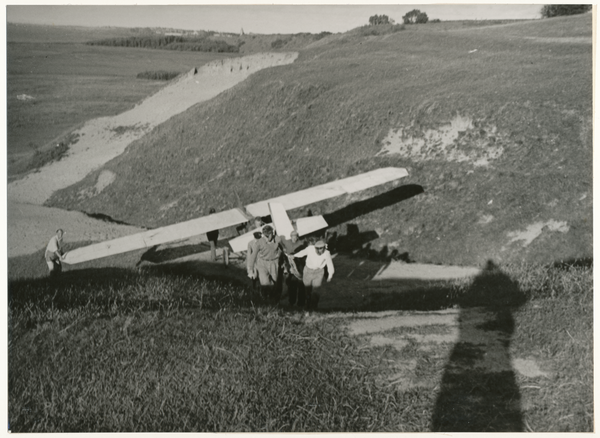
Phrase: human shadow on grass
(478, 391)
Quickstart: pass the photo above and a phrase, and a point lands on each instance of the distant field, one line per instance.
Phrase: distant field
(32, 33)
(71, 83)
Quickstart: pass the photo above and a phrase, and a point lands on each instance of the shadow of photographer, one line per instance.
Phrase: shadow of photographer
(478, 390)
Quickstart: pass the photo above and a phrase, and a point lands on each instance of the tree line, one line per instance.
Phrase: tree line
(549, 11)
(417, 17)
(169, 42)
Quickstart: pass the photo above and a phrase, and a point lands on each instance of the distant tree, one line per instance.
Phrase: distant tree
(376, 20)
(415, 16)
(321, 35)
(422, 18)
(279, 43)
(549, 11)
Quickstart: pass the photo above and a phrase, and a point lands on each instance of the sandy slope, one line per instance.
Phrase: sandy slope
(102, 139)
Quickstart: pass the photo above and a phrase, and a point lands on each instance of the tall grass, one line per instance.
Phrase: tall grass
(160, 353)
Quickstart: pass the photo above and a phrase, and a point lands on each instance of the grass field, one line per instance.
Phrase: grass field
(164, 349)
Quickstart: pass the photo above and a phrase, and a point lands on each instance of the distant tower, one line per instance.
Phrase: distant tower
(242, 32)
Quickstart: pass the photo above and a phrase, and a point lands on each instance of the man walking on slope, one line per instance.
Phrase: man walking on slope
(54, 253)
(317, 259)
(264, 262)
(252, 273)
(292, 272)
(213, 237)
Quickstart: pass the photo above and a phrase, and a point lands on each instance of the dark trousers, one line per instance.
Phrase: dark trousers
(312, 298)
(295, 288)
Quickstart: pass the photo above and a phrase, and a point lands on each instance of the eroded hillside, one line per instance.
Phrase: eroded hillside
(494, 126)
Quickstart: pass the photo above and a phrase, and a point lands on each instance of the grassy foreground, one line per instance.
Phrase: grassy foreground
(161, 349)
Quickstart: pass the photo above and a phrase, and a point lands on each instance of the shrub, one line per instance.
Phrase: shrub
(415, 17)
(549, 11)
(380, 30)
(321, 35)
(159, 75)
(40, 158)
(377, 20)
(278, 43)
(169, 42)
(56, 153)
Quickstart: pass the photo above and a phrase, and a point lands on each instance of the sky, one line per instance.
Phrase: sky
(254, 18)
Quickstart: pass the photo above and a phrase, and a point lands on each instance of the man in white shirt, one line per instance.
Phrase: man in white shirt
(317, 258)
(54, 253)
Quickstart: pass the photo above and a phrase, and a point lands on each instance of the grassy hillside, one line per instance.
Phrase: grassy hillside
(494, 126)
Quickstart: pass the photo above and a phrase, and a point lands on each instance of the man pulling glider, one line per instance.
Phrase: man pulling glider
(317, 259)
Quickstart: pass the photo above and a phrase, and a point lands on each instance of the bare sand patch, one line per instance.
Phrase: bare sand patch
(398, 320)
(400, 270)
(105, 178)
(528, 368)
(445, 330)
(440, 143)
(533, 231)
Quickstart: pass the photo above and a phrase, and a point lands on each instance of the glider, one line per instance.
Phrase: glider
(275, 207)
